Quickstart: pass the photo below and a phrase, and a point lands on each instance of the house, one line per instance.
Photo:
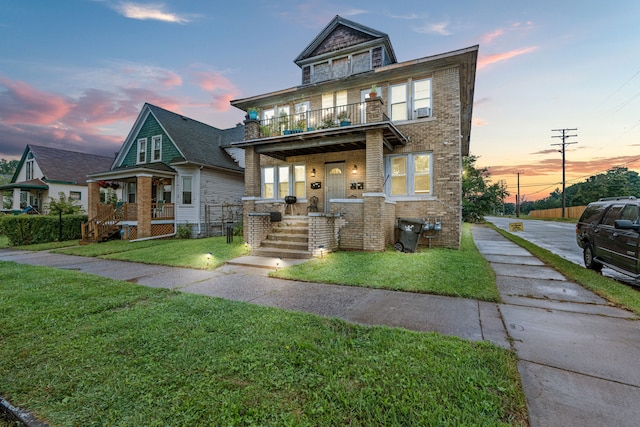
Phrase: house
(362, 141)
(44, 172)
(171, 169)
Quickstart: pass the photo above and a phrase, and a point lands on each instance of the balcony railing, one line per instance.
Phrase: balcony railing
(308, 121)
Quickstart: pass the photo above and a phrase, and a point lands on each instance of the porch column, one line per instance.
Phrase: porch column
(252, 190)
(16, 199)
(143, 202)
(93, 198)
(373, 236)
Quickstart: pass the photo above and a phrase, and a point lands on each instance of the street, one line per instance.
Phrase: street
(557, 237)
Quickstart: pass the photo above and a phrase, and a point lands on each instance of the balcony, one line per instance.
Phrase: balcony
(333, 129)
(309, 121)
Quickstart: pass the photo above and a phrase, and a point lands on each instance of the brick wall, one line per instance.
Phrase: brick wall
(323, 234)
(351, 223)
(257, 227)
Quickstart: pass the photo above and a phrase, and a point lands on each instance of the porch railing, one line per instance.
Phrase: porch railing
(129, 211)
(343, 115)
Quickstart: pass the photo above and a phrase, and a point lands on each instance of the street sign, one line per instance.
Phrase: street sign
(516, 226)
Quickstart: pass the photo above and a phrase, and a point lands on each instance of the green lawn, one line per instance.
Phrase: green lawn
(190, 253)
(84, 350)
(461, 273)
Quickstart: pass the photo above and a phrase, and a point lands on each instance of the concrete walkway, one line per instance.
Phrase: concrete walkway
(578, 355)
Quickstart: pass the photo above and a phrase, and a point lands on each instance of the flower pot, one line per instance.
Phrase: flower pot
(345, 122)
(253, 115)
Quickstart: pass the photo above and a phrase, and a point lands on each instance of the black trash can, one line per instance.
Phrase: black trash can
(409, 234)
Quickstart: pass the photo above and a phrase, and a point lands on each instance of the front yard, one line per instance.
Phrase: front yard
(84, 350)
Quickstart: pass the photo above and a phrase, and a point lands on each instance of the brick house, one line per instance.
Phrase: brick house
(169, 169)
(45, 172)
(362, 141)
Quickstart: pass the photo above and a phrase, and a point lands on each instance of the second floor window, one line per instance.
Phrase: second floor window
(156, 148)
(29, 169)
(142, 150)
(411, 100)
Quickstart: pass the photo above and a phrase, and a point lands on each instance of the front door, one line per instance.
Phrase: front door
(335, 183)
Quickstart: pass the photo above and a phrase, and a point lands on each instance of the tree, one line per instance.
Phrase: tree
(478, 196)
(64, 205)
(7, 169)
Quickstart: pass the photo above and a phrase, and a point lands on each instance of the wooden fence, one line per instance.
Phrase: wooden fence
(573, 212)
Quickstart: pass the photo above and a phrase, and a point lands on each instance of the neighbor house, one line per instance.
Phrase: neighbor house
(44, 173)
(171, 170)
(362, 141)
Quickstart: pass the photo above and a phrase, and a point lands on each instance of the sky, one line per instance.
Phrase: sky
(74, 74)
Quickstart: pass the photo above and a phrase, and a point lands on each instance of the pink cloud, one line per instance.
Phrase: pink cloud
(479, 122)
(488, 37)
(485, 60)
(170, 79)
(211, 81)
(224, 90)
(21, 103)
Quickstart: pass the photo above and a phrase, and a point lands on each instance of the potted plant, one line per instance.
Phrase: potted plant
(374, 91)
(253, 113)
(344, 119)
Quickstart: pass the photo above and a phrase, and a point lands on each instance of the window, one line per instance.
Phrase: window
(131, 192)
(399, 102)
(289, 180)
(410, 174)
(75, 195)
(612, 214)
(630, 212)
(283, 182)
(299, 181)
(142, 150)
(29, 169)
(156, 148)
(422, 98)
(411, 101)
(186, 190)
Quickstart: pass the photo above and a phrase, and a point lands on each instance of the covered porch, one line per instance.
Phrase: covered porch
(144, 207)
(344, 196)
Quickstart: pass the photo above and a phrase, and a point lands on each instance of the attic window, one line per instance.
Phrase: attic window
(340, 67)
(142, 150)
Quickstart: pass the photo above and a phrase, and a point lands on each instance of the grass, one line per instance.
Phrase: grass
(78, 349)
(190, 253)
(609, 289)
(460, 273)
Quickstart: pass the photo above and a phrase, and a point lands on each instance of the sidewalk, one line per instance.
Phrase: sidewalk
(578, 355)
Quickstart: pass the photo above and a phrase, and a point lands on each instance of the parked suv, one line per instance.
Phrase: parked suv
(608, 232)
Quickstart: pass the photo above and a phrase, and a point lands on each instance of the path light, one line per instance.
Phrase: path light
(321, 247)
(208, 258)
(278, 263)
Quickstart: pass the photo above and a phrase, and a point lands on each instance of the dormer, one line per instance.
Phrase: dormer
(342, 49)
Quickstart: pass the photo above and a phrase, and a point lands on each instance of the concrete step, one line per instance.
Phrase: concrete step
(288, 237)
(277, 244)
(281, 253)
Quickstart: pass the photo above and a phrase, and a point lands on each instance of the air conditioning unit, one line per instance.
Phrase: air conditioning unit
(423, 112)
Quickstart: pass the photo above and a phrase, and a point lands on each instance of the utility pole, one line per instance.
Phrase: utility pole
(518, 195)
(564, 143)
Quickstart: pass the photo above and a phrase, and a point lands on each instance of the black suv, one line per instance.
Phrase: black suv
(608, 232)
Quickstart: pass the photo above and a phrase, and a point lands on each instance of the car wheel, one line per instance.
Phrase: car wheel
(589, 262)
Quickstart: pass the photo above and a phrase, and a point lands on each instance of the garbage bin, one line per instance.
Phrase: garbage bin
(409, 234)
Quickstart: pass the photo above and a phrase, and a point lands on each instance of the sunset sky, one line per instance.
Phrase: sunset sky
(75, 73)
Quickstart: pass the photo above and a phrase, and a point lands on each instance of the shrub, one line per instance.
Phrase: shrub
(184, 231)
(31, 229)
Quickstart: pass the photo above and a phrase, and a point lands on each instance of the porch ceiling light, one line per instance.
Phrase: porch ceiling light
(354, 170)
